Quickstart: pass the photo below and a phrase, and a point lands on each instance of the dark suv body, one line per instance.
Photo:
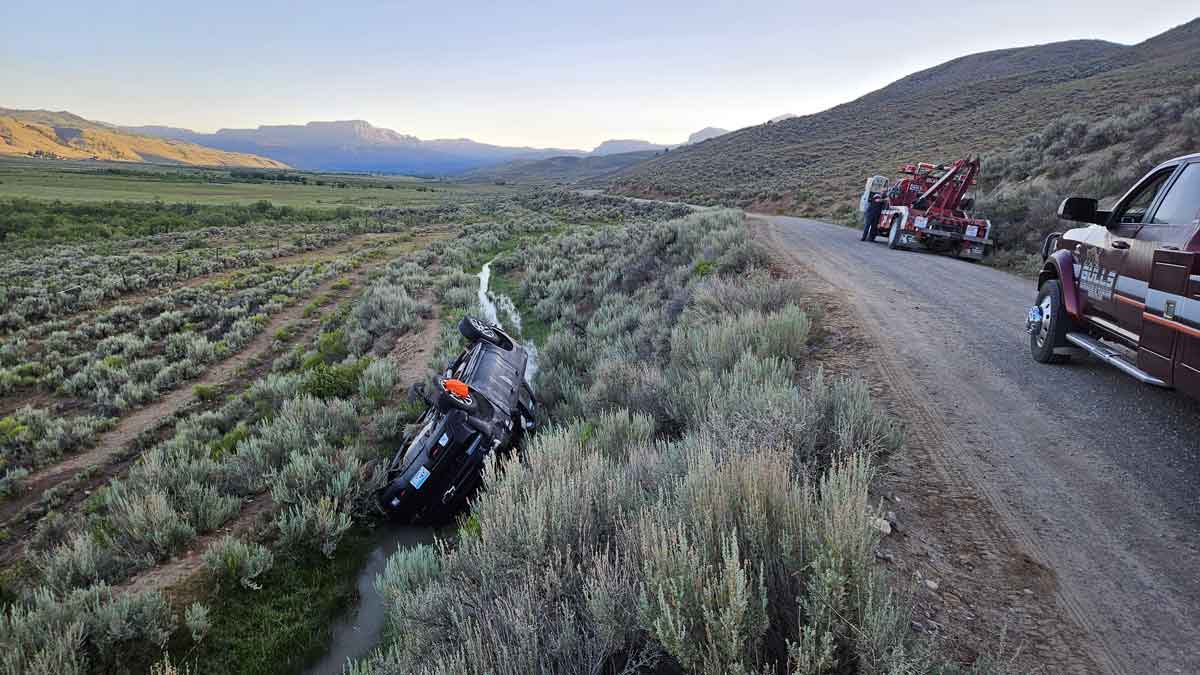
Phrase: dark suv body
(482, 405)
(1130, 278)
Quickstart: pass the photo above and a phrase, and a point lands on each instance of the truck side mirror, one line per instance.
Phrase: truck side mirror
(1078, 209)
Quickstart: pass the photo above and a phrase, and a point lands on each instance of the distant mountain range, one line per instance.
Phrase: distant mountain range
(356, 145)
(63, 135)
(609, 159)
(347, 145)
(623, 145)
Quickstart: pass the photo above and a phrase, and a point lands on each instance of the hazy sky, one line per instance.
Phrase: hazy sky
(565, 74)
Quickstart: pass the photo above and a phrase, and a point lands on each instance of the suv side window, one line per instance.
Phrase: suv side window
(1135, 207)
(1181, 205)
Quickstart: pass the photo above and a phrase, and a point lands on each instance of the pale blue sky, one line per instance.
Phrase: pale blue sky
(545, 74)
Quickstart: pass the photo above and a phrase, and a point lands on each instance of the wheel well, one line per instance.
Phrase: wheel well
(1049, 272)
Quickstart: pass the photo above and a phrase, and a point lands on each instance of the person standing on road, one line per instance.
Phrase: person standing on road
(875, 205)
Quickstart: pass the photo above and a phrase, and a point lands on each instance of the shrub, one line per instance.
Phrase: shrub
(231, 560)
(341, 381)
(378, 380)
(34, 437)
(77, 563)
(383, 308)
(10, 482)
(1191, 122)
(197, 620)
(206, 392)
(207, 508)
(710, 617)
(82, 631)
(717, 346)
(145, 526)
(314, 524)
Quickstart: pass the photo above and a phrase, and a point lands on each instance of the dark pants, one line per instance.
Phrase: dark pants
(871, 215)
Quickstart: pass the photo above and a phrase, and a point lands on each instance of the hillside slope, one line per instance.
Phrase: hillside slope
(560, 170)
(58, 135)
(982, 103)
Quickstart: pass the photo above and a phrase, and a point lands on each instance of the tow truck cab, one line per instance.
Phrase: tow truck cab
(1131, 277)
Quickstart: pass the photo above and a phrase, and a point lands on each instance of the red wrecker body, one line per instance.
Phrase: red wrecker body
(928, 208)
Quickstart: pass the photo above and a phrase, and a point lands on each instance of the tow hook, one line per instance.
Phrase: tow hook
(448, 495)
(1034, 320)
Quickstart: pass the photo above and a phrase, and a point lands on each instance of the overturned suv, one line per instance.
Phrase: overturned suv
(481, 405)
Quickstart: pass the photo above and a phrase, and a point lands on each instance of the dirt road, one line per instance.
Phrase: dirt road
(1076, 482)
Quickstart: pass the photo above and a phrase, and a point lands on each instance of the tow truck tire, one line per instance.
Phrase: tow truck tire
(894, 235)
(1055, 323)
(475, 330)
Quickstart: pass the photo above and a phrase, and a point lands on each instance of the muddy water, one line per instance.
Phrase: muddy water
(492, 305)
(358, 633)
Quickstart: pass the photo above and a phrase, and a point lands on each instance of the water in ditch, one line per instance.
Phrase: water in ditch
(494, 305)
(355, 635)
(359, 632)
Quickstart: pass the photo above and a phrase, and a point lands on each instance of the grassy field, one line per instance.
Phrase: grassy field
(112, 181)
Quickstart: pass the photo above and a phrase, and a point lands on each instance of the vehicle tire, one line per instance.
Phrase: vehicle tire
(894, 235)
(1052, 332)
(472, 404)
(475, 330)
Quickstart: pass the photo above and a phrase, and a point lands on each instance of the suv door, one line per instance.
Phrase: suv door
(1115, 283)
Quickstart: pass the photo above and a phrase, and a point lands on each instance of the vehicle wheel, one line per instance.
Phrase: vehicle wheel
(447, 401)
(894, 234)
(1052, 331)
(475, 330)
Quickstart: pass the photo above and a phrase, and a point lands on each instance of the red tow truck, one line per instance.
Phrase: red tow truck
(928, 208)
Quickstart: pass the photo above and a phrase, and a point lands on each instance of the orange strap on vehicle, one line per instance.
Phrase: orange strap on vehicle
(457, 387)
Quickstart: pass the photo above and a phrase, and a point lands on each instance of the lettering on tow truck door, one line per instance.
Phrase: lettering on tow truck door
(1095, 279)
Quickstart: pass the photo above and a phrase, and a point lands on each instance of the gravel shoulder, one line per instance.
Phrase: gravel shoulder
(1054, 505)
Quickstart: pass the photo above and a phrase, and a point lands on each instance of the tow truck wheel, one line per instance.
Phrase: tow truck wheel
(894, 234)
(1051, 331)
